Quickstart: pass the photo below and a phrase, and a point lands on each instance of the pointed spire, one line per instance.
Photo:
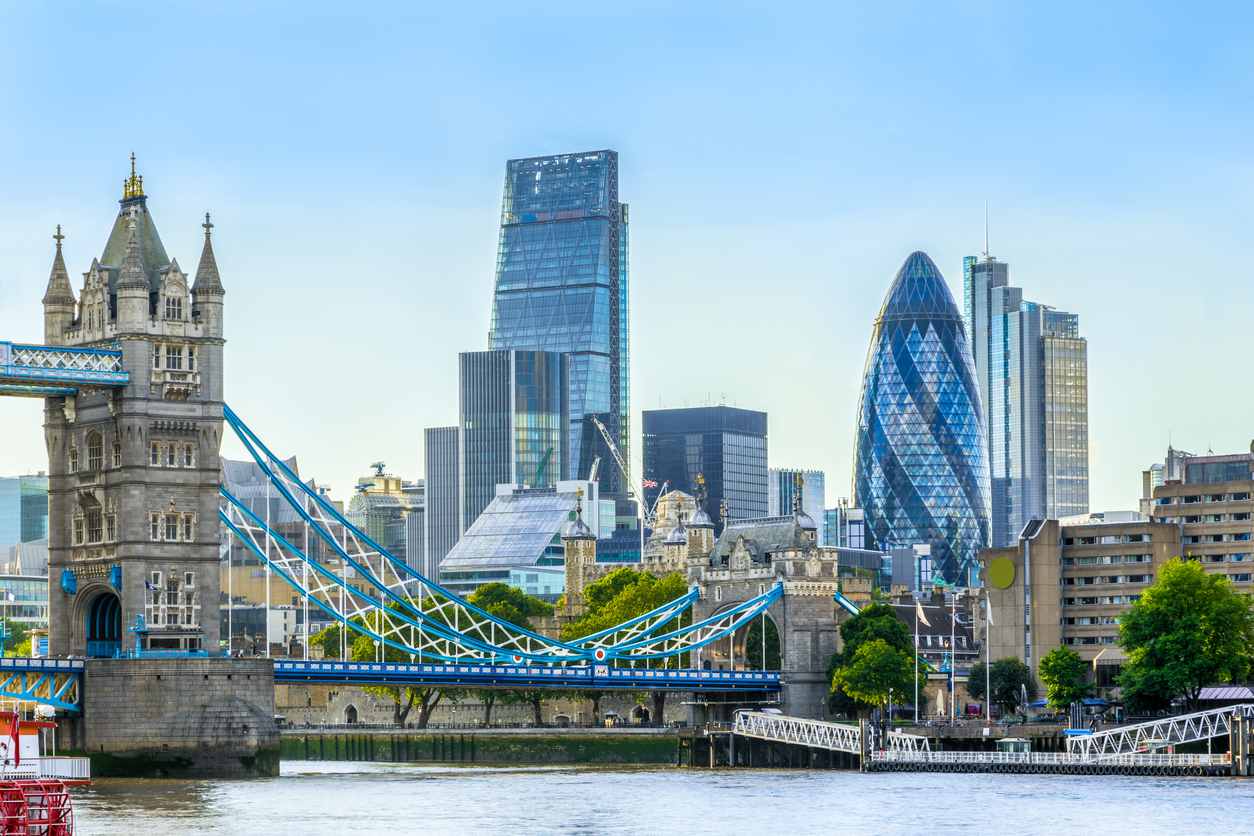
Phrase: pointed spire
(207, 273)
(59, 289)
(132, 273)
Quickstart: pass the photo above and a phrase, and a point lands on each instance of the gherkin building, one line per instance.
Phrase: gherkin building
(921, 472)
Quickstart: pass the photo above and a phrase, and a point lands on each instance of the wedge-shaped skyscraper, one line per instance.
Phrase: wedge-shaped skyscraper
(921, 467)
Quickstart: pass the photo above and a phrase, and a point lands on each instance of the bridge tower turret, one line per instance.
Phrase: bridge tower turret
(134, 471)
(59, 299)
(580, 547)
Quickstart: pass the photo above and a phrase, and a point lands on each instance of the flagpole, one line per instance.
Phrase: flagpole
(916, 662)
(953, 636)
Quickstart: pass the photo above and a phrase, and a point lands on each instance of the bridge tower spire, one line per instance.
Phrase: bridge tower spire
(59, 299)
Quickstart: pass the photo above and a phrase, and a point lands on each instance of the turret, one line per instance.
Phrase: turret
(700, 533)
(58, 300)
(581, 550)
(675, 549)
(207, 292)
(132, 288)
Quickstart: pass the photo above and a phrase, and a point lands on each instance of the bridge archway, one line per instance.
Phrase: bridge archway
(749, 645)
(350, 714)
(104, 625)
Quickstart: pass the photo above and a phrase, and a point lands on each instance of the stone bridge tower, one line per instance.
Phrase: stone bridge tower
(134, 471)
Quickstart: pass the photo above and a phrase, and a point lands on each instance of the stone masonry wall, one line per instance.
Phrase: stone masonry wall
(216, 714)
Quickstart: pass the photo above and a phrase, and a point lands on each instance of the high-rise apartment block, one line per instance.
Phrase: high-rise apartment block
(561, 287)
(782, 490)
(1032, 367)
(23, 509)
(723, 445)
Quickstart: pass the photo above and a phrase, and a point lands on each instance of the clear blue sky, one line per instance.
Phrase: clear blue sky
(781, 161)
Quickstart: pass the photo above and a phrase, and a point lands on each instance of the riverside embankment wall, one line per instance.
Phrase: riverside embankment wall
(536, 746)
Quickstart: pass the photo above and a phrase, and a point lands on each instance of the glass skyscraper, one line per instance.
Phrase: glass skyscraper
(1032, 365)
(782, 491)
(23, 509)
(561, 286)
(921, 466)
(513, 415)
(724, 445)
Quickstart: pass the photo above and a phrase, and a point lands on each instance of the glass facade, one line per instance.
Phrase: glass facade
(782, 489)
(921, 466)
(442, 509)
(562, 287)
(23, 509)
(1032, 367)
(723, 444)
(512, 424)
(30, 600)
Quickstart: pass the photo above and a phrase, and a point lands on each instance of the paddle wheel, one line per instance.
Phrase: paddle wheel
(35, 808)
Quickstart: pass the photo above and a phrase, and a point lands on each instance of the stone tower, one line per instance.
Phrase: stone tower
(580, 546)
(134, 471)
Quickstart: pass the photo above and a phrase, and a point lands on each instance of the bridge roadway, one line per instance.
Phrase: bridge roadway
(49, 371)
(584, 677)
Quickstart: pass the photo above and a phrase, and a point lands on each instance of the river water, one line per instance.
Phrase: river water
(326, 799)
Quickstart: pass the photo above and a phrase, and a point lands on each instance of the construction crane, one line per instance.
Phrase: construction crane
(622, 468)
(540, 469)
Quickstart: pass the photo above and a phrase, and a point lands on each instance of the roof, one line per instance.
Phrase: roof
(1229, 692)
(763, 535)
(151, 251)
(919, 291)
(514, 530)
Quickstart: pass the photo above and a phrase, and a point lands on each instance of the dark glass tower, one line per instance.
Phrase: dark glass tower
(921, 468)
(724, 445)
(561, 286)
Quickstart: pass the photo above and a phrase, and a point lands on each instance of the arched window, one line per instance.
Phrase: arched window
(95, 451)
(73, 460)
(173, 307)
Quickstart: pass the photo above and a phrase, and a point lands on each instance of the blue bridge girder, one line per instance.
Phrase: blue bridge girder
(55, 682)
(50, 371)
(583, 677)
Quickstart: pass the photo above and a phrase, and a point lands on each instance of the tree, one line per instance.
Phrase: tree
(753, 646)
(1189, 630)
(510, 604)
(873, 622)
(329, 639)
(876, 671)
(18, 643)
(1062, 672)
(620, 596)
(1008, 677)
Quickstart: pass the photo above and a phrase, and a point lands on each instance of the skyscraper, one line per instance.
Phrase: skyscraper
(1032, 365)
(23, 509)
(921, 467)
(724, 445)
(782, 490)
(443, 509)
(512, 424)
(561, 286)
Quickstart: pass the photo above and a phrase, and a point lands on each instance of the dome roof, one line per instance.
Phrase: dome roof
(806, 521)
(701, 520)
(678, 536)
(919, 291)
(578, 530)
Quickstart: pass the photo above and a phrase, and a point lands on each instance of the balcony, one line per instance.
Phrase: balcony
(175, 384)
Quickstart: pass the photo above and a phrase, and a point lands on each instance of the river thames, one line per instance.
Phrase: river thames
(385, 799)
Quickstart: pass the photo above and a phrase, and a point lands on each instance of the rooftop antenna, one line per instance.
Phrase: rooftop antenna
(986, 229)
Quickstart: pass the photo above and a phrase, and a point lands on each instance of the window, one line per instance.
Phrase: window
(1088, 602)
(1242, 578)
(174, 357)
(1068, 541)
(1085, 561)
(171, 527)
(1138, 579)
(1136, 538)
(187, 455)
(1216, 517)
(1106, 639)
(1088, 541)
(1107, 539)
(155, 519)
(1112, 579)
(117, 454)
(156, 356)
(1241, 537)
(1068, 561)
(111, 528)
(1196, 518)
(187, 527)
(78, 531)
(191, 359)
(95, 451)
(173, 307)
(1214, 538)
(1191, 538)
(73, 460)
(1241, 497)
(156, 453)
(1114, 558)
(188, 579)
(1068, 581)
(1068, 602)
(171, 455)
(1238, 558)
(1241, 517)
(1215, 558)
(1189, 500)
(1136, 558)
(1215, 497)
(94, 528)
(1088, 581)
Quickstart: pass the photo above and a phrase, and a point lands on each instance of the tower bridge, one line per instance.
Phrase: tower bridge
(131, 372)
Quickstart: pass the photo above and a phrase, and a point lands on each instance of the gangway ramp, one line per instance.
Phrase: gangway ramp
(1158, 733)
(837, 737)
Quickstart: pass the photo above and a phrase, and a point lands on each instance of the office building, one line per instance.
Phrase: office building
(723, 445)
(442, 506)
(562, 287)
(1032, 368)
(23, 509)
(782, 487)
(512, 427)
(24, 585)
(921, 463)
(845, 527)
(518, 538)
(380, 509)
(1081, 578)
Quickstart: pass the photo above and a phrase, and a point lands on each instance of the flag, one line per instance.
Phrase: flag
(988, 611)
(9, 596)
(150, 585)
(14, 739)
(918, 613)
(649, 483)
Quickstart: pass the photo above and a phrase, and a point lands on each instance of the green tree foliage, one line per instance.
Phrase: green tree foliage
(1008, 677)
(620, 596)
(876, 671)
(1189, 630)
(753, 646)
(1062, 672)
(329, 639)
(873, 622)
(18, 641)
(510, 604)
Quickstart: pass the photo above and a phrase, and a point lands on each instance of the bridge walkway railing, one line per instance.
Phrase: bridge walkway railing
(819, 734)
(1156, 734)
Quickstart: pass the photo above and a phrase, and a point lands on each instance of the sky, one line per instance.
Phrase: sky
(781, 161)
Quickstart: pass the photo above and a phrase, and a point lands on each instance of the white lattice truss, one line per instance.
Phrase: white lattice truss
(108, 359)
(417, 616)
(837, 737)
(1148, 737)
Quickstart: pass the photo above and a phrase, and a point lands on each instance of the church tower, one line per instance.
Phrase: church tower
(134, 471)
